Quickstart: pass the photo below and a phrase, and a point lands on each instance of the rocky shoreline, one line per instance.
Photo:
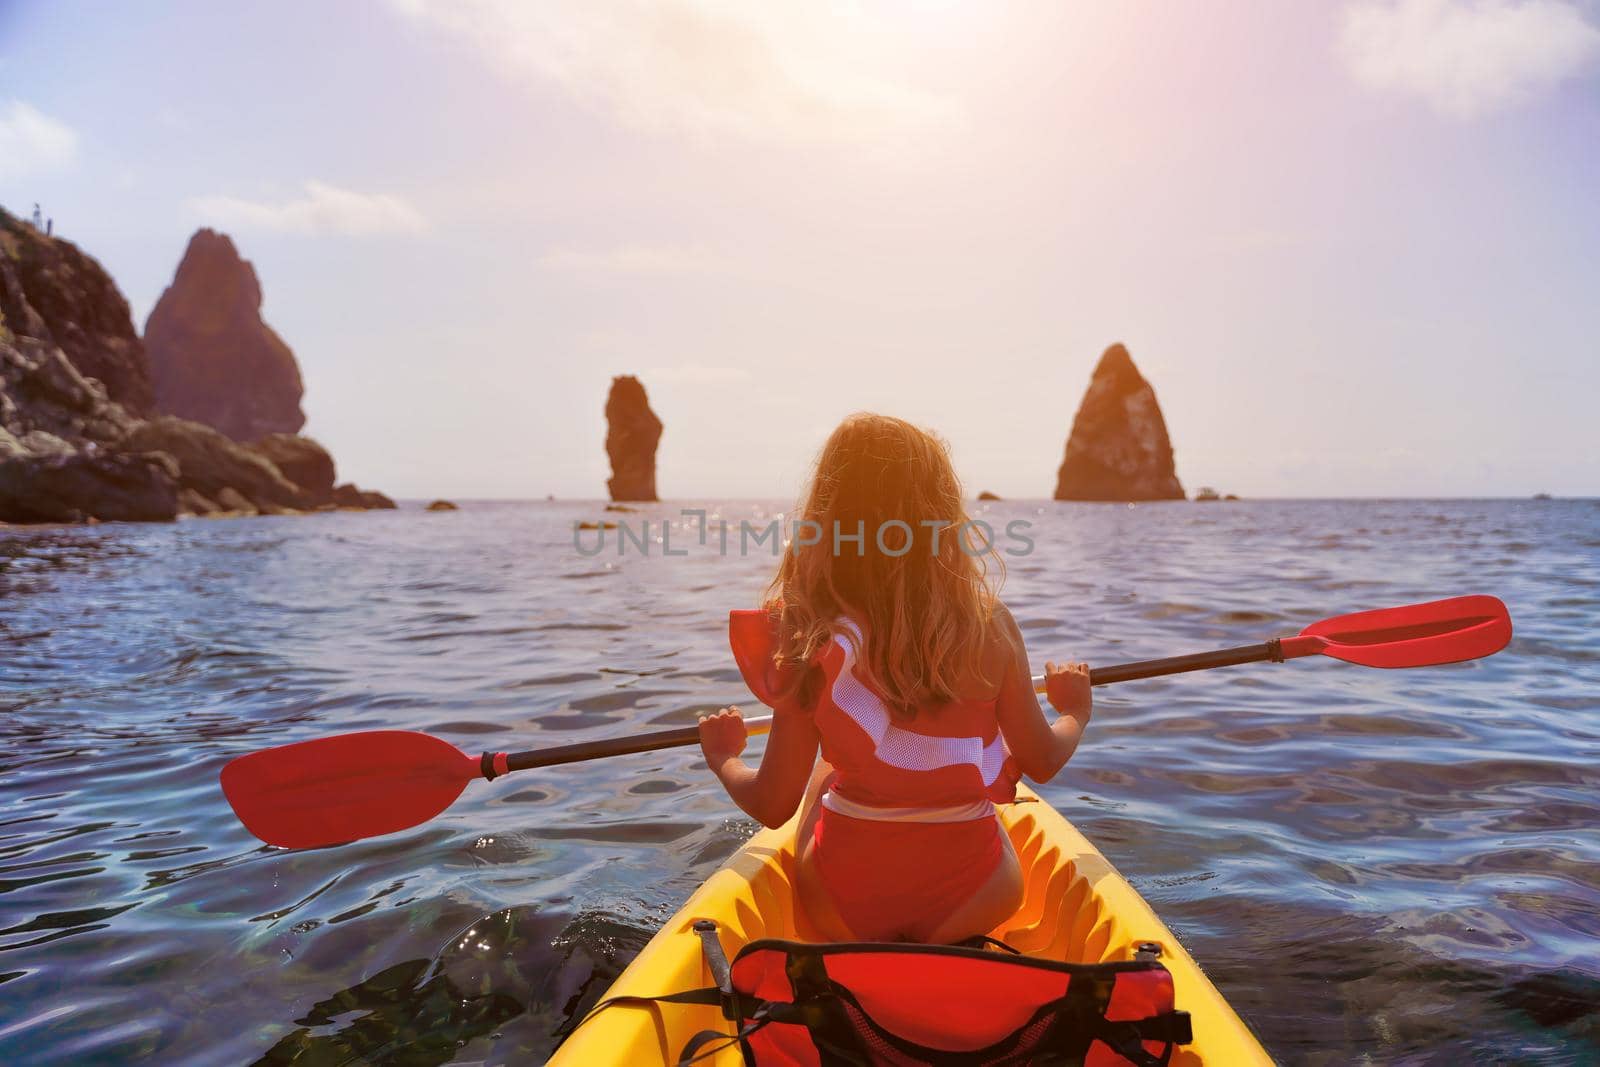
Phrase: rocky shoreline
(93, 429)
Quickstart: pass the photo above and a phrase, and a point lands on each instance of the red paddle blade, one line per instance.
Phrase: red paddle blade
(344, 788)
(1417, 635)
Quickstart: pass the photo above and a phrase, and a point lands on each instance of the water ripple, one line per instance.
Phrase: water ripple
(1387, 867)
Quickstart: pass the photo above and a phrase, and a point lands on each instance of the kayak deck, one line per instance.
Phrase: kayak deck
(1076, 908)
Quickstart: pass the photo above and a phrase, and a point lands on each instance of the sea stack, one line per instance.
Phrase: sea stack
(1118, 449)
(632, 433)
(212, 358)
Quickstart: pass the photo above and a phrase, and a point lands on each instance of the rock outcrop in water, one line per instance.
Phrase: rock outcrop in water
(632, 433)
(302, 461)
(1118, 448)
(76, 448)
(209, 464)
(74, 486)
(348, 496)
(212, 358)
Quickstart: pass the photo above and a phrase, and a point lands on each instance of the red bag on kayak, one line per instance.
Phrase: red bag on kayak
(906, 1005)
(903, 1005)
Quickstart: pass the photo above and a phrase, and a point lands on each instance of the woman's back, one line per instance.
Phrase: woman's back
(941, 757)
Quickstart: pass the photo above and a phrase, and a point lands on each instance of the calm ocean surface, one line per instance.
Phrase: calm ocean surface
(1374, 867)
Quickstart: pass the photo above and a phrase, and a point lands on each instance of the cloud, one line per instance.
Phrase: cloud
(31, 141)
(636, 259)
(324, 209)
(761, 69)
(1467, 57)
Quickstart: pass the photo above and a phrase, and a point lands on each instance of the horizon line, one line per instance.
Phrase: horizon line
(552, 499)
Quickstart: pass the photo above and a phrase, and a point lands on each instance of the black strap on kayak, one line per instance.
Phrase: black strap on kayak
(709, 996)
(819, 1007)
(1082, 1021)
(1083, 1008)
(708, 1043)
(696, 1048)
(716, 960)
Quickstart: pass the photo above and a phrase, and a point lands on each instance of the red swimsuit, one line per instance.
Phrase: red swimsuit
(908, 830)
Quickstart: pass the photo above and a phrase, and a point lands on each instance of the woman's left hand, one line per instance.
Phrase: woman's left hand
(722, 736)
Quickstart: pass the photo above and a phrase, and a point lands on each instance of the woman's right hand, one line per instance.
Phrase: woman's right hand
(1067, 687)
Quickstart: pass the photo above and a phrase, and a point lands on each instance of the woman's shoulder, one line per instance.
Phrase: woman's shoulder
(1004, 633)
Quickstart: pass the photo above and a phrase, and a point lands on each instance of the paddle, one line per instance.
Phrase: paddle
(351, 786)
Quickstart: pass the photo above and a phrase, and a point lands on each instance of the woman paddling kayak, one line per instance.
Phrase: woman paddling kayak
(896, 660)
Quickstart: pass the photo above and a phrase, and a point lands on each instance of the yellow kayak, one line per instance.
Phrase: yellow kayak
(1077, 909)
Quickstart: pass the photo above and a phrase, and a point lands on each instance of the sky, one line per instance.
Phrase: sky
(1354, 245)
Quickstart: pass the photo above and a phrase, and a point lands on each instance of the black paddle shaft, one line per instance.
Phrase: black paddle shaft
(683, 736)
(1200, 661)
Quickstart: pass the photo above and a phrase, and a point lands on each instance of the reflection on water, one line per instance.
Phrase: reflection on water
(1396, 866)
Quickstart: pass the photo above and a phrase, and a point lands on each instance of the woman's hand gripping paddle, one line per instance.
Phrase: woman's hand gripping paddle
(351, 786)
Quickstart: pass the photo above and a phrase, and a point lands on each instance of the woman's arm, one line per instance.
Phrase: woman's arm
(771, 793)
(1041, 748)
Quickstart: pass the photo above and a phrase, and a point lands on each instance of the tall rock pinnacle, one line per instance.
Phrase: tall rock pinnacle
(1118, 449)
(632, 432)
(212, 358)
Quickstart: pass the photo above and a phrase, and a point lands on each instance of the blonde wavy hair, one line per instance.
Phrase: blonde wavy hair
(927, 606)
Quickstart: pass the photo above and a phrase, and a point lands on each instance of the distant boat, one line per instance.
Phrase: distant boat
(1205, 492)
(1541, 496)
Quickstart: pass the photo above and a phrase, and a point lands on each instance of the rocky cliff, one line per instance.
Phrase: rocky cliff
(1118, 448)
(75, 448)
(632, 433)
(52, 292)
(212, 358)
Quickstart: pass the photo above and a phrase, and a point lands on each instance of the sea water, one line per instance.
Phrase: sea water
(1373, 866)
